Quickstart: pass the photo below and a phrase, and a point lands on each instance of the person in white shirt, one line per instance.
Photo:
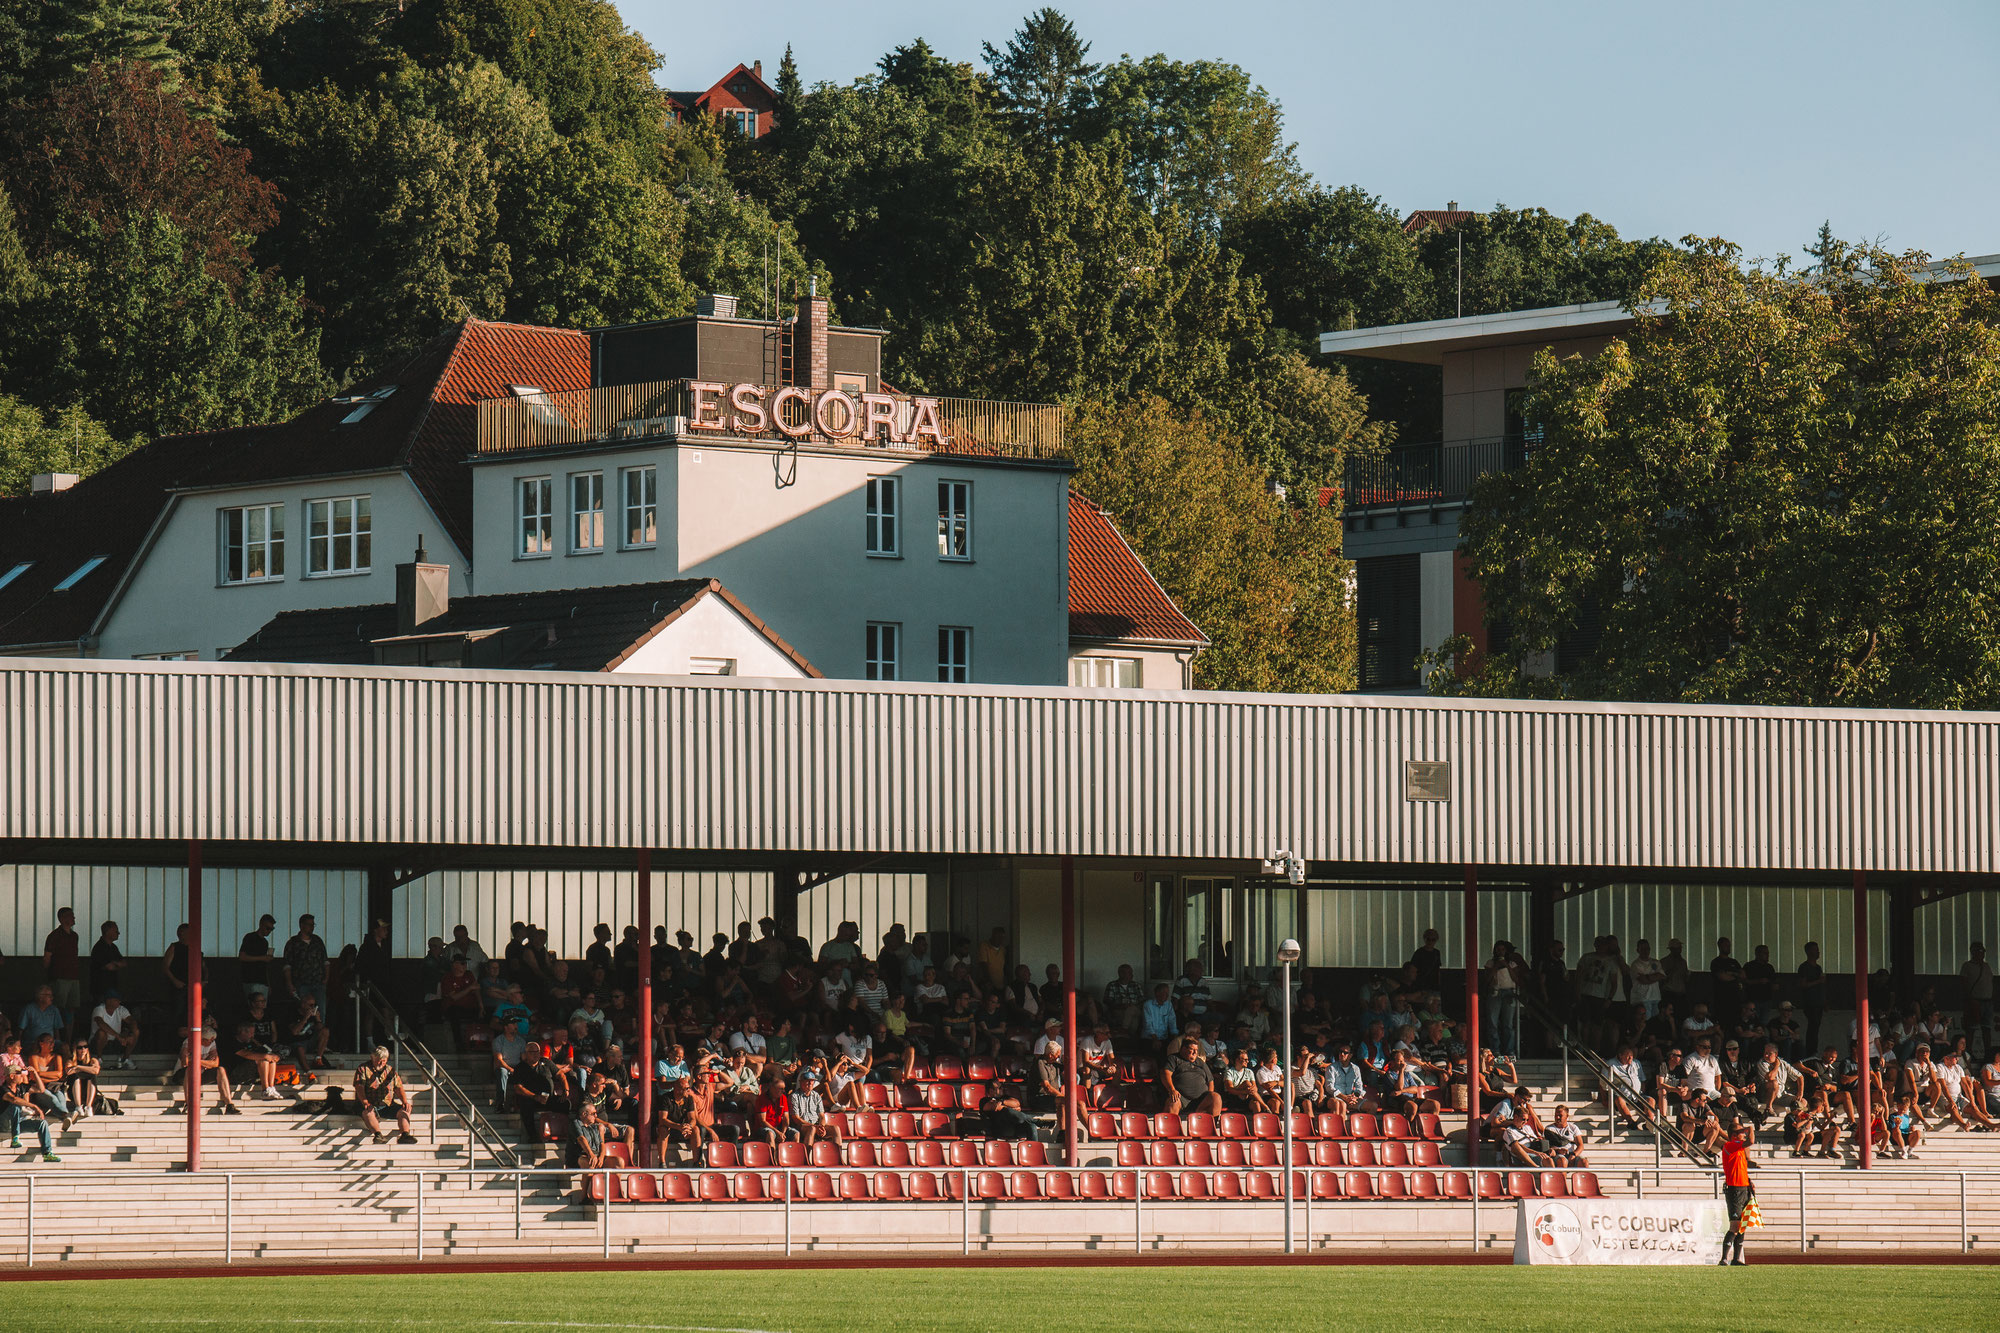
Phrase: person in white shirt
(874, 992)
(1954, 1084)
(1696, 1023)
(751, 1042)
(1626, 1087)
(464, 946)
(1647, 975)
(113, 1028)
(1099, 1057)
(1703, 1070)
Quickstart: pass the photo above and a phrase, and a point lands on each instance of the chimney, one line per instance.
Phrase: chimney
(423, 592)
(48, 483)
(809, 335)
(757, 68)
(1451, 205)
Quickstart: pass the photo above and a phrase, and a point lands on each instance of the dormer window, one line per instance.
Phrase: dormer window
(81, 572)
(366, 405)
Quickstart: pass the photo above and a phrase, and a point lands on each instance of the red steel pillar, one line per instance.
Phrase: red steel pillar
(194, 1005)
(1472, 1019)
(1072, 1102)
(1861, 1017)
(645, 1007)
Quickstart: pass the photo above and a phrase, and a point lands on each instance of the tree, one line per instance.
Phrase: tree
(68, 440)
(1779, 488)
(595, 241)
(1525, 259)
(1263, 578)
(1042, 77)
(730, 243)
(45, 43)
(1331, 259)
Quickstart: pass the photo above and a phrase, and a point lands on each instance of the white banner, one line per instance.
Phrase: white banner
(1620, 1231)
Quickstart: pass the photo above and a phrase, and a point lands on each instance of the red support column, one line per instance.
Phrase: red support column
(1861, 1017)
(1472, 1019)
(1073, 1135)
(194, 1005)
(645, 1007)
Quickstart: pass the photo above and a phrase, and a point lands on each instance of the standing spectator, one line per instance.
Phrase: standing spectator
(374, 971)
(379, 1088)
(991, 959)
(1428, 962)
(1760, 980)
(1123, 1001)
(1188, 1083)
(174, 966)
(113, 1028)
(1552, 985)
(1674, 989)
(1506, 974)
(1812, 994)
(1976, 976)
(107, 961)
(1725, 975)
(62, 966)
(305, 966)
(1648, 974)
(253, 957)
(464, 946)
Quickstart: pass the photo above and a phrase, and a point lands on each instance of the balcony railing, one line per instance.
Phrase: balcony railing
(1437, 474)
(772, 414)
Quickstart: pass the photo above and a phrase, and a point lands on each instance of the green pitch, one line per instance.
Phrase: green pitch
(1053, 1300)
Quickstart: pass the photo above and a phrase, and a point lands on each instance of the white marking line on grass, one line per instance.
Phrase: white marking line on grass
(653, 1328)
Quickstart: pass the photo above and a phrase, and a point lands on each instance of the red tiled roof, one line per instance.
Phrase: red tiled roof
(1444, 219)
(1112, 595)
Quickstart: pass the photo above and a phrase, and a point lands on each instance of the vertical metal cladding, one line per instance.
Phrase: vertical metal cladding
(145, 750)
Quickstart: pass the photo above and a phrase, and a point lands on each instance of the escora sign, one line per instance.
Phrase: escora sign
(797, 412)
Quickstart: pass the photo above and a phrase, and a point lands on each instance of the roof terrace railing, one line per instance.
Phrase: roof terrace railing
(774, 414)
(1434, 474)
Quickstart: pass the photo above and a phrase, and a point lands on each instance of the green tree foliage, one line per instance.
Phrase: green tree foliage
(67, 440)
(1524, 259)
(47, 42)
(1331, 259)
(1262, 577)
(1042, 77)
(1779, 488)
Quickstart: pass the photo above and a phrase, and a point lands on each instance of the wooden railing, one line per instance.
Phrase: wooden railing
(577, 417)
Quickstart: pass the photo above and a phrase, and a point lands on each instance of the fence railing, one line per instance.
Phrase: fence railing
(155, 1189)
(771, 414)
(1439, 473)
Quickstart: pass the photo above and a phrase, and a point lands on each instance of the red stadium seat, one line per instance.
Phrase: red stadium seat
(1092, 1185)
(552, 1127)
(823, 1154)
(1263, 1153)
(1197, 1153)
(921, 1071)
(1457, 1185)
(1267, 1126)
(1262, 1184)
(961, 1152)
(755, 1156)
(1031, 1152)
(1163, 1152)
(714, 1189)
(1361, 1153)
(867, 1125)
(927, 1154)
(1425, 1153)
(1135, 1125)
(1194, 1185)
(718, 1155)
(981, 1069)
(1228, 1187)
(1167, 1125)
(955, 1183)
(1131, 1153)
(638, 1187)
(1331, 1125)
(860, 1153)
(950, 1069)
(996, 1152)
(791, 1156)
(1200, 1125)
(1233, 1125)
(1326, 1185)
(1326, 1152)
(1391, 1185)
(840, 1120)
(1361, 1125)
(1101, 1125)
(816, 1187)
(1359, 1185)
(1491, 1186)
(1394, 1153)
(676, 1187)
(1160, 1185)
(941, 1096)
(854, 1187)
(989, 1185)
(901, 1125)
(877, 1096)
(1304, 1126)
(924, 1188)
(749, 1187)
(1026, 1185)
(889, 1188)
(1521, 1185)
(1397, 1127)
(893, 1156)
(593, 1187)
(1144, 1068)
(1125, 1185)
(1583, 1185)
(1424, 1185)
(1061, 1187)
(1431, 1126)
(1229, 1155)
(940, 1125)
(618, 1152)
(971, 1096)
(1553, 1186)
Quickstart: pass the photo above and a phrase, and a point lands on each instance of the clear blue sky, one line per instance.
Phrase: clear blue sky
(1749, 120)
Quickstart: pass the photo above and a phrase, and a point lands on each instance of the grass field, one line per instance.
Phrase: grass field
(1026, 1300)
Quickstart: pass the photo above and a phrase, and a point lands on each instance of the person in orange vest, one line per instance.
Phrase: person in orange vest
(1736, 1192)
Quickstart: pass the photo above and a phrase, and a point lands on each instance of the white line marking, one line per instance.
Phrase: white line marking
(652, 1328)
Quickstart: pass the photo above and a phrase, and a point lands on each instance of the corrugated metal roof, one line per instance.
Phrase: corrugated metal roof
(100, 750)
(1112, 595)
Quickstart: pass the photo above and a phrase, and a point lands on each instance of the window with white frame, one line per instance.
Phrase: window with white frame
(641, 487)
(954, 520)
(885, 516)
(954, 655)
(741, 119)
(1104, 673)
(253, 543)
(185, 655)
(884, 651)
(711, 666)
(538, 519)
(586, 512)
(338, 536)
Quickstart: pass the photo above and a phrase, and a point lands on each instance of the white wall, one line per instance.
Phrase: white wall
(794, 553)
(149, 903)
(1159, 668)
(711, 628)
(176, 601)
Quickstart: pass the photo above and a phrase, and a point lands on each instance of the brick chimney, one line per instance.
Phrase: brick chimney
(423, 592)
(757, 68)
(810, 335)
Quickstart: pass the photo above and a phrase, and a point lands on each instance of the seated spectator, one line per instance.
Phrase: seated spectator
(1784, 1032)
(677, 1121)
(250, 1064)
(459, 1001)
(1699, 1125)
(956, 1030)
(19, 1107)
(771, 1117)
(1238, 1087)
(1270, 1076)
(588, 1134)
(1625, 1090)
(1097, 1056)
(1703, 1070)
(741, 1085)
(809, 1121)
(41, 1017)
(929, 996)
(211, 1071)
(844, 1078)
(1906, 1128)
(1770, 1078)
(750, 1040)
(1123, 1001)
(537, 1086)
(1520, 1142)
(1811, 1121)
(509, 1049)
(114, 1029)
(1187, 1080)
(1564, 1142)
(81, 1088)
(609, 1094)
(1046, 1086)
(1409, 1087)
(1306, 1083)
(1345, 1084)
(1159, 1022)
(1001, 1117)
(1697, 1025)
(379, 1088)
(1954, 1089)
(672, 1066)
(306, 1036)
(51, 1075)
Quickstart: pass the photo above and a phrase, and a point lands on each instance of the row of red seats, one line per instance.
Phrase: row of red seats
(1230, 1154)
(1086, 1186)
(890, 1154)
(1107, 1126)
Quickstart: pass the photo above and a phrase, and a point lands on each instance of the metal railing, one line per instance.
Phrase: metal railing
(1423, 475)
(1665, 1134)
(787, 1197)
(440, 1085)
(619, 412)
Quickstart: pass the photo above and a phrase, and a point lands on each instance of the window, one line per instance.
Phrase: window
(541, 410)
(954, 655)
(366, 405)
(1386, 604)
(642, 506)
(1199, 917)
(586, 512)
(81, 572)
(884, 652)
(741, 119)
(954, 520)
(337, 536)
(253, 544)
(1104, 673)
(15, 573)
(885, 504)
(711, 666)
(538, 520)
(189, 655)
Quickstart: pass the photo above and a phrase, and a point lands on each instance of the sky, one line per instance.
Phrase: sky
(1752, 121)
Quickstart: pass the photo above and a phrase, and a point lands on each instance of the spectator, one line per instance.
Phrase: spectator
(751, 1042)
(1976, 977)
(41, 1018)
(374, 967)
(1783, 1031)
(1906, 1128)
(62, 967)
(1674, 989)
(1506, 975)
(1519, 1141)
(305, 967)
(809, 1121)
(1123, 1001)
(1811, 1121)
(307, 1036)
(1047, 1087)
(1954, 1086)
(1345, 1084)
(539, 1088)
(510, 1048)
(81, 1086)
(1725, 980)
(107, 961)
(1564, 1142)
(587, 1136)
(1191, 990)
(1625, 1091)
(593, 1018)
(1188, 1082)
(771, 1118)
(51, 1070)
(1238, 1089)
(113, 1028)
(1159, 1021)
(18, 1104)
(1770, 1078)
(378, 1088)
(1648, 974)
(253, 958)
(249, 1063)
(459, 1002)
(1812, 994)
(1697, 1024)
(677, 1121)
(741, 1085)
(211, 1071)
(991, 959)
(464, 947)
(1409, 1087)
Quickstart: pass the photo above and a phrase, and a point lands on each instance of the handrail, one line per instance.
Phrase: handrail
(458, 1101)
(1437, 473)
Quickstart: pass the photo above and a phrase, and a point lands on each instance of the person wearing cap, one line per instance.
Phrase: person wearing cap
(378, 1088)
(113, 1028)
(808, 1121)
(211, 1071)
(1736, 1192)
